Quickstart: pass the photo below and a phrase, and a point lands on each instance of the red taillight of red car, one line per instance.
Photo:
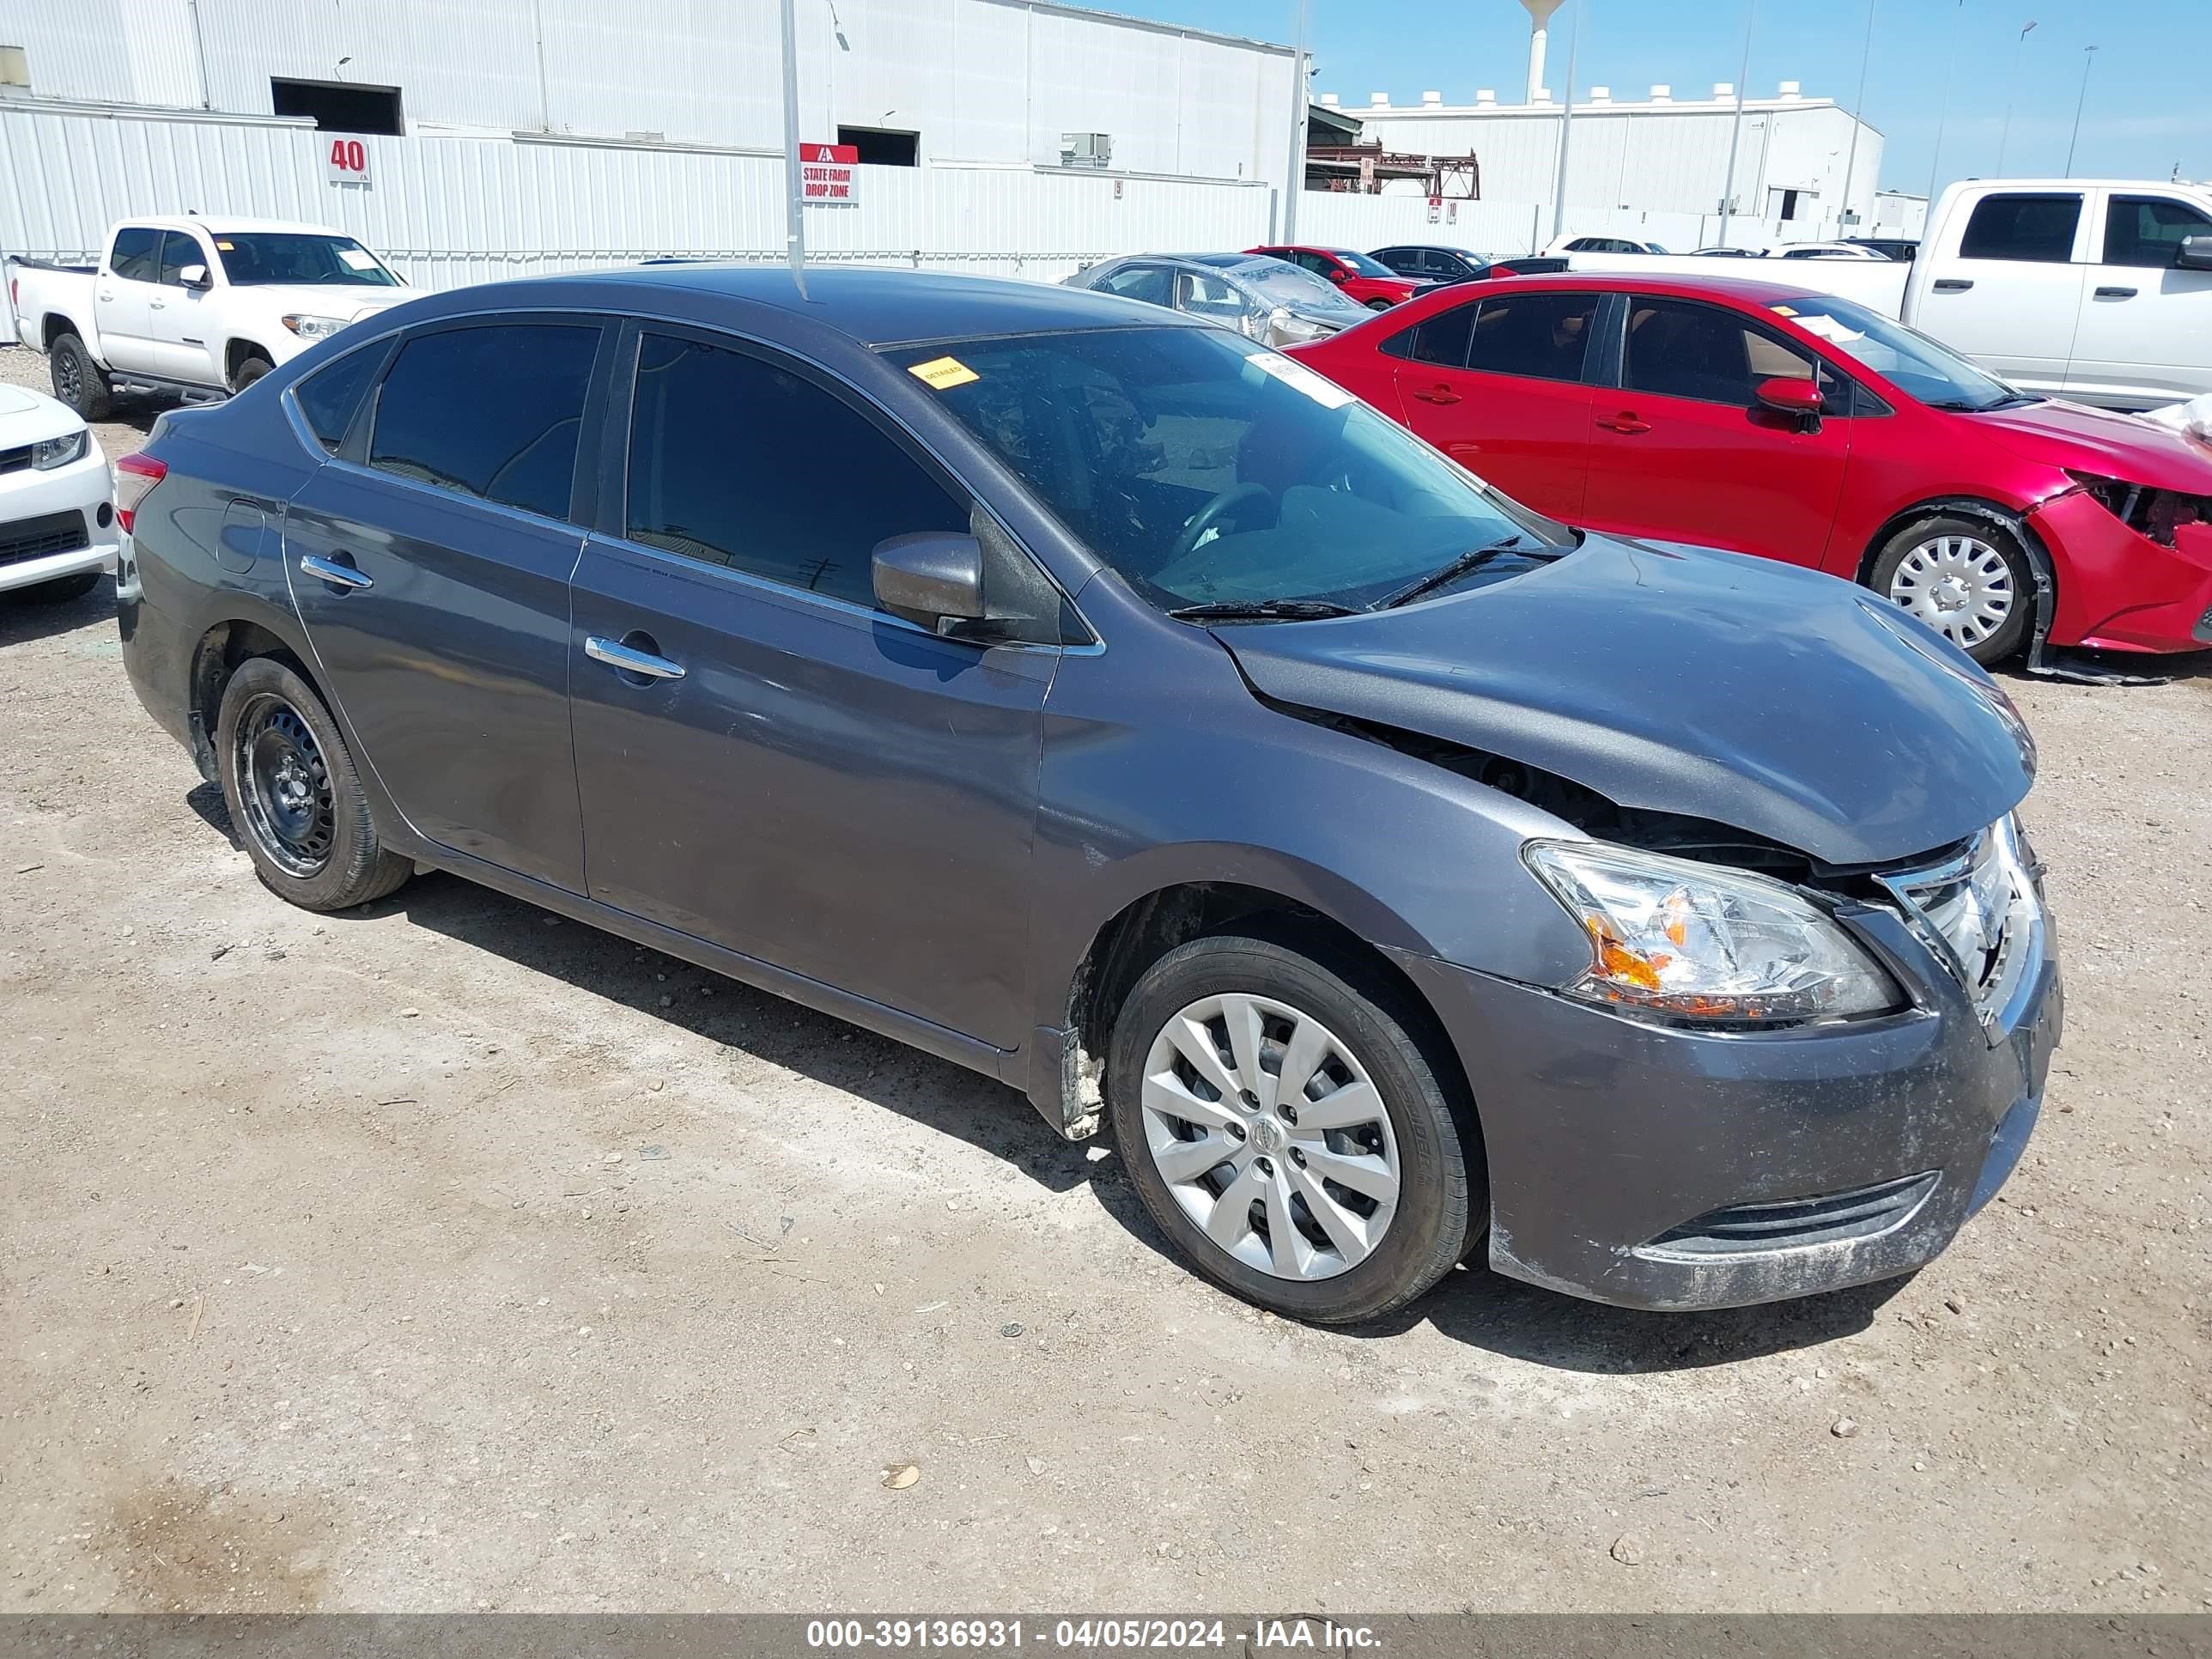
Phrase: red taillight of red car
(136, 475)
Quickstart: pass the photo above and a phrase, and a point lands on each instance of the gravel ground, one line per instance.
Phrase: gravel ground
(443, 1256)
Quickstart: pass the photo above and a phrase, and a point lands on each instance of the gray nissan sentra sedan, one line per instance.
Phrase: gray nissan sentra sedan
(1109, 704)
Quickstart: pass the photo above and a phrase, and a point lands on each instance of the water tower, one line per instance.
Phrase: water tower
(1540, 17)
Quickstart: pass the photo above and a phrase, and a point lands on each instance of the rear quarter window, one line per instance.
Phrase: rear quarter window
(329, 398)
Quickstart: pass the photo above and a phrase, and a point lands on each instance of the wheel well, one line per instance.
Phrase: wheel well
(1147, 929)
(1968, 507)
(56, 326)
(235, 354)
(217, 658)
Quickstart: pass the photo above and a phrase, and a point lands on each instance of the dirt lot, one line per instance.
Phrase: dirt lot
(444, 1256)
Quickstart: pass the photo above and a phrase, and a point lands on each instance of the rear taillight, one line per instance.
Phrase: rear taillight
(136, 475)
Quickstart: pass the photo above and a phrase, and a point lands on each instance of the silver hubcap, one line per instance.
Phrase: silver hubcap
(1960, 585)
(1270, 1135)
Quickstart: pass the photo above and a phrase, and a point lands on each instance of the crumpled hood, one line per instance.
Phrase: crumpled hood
(1775, 700)
(2100, 441)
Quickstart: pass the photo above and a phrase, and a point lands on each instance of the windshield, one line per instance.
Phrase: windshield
(1915, 364)
(1360, 263)
(1280, 284)
(1206, 471)
(260, 259)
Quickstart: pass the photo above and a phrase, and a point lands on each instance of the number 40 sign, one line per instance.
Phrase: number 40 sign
(346, 160)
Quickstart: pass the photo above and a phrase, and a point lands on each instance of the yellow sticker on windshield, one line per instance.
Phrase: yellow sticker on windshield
(225, 247)
(1783, 311)
(943, 374)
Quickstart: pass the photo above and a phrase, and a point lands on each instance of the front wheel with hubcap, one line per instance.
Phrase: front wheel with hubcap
(1965, 578)
(294, 795)
(1288, 1134)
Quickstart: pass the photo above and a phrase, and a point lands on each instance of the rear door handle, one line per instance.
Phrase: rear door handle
(1954, 284)
(329, 570)
(1436, 394)
(2116, 293)
(629, 659)
(1624, 421)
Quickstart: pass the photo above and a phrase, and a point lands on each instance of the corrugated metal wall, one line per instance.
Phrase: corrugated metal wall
(447, 211)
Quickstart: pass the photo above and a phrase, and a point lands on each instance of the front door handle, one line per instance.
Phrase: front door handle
(330, 571)
(628, 660)
(1436, 394)
(1624, 421)
(2116, 293)
(1954, 284)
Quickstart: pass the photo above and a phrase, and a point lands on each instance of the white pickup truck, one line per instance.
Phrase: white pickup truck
(2098, 290)
(197, 308)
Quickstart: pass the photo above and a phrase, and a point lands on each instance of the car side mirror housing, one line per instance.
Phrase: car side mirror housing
(932, 578)
(1788, 396)
(2194, 253)
(195, 276)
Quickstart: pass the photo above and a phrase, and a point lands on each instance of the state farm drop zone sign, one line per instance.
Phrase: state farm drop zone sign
(826, 174)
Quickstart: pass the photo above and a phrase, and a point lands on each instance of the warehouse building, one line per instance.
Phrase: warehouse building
(1805, 168)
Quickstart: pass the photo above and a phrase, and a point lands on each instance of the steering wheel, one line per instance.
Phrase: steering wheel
(1213, 514)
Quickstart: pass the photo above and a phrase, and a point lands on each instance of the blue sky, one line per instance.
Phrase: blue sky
(2148, 103)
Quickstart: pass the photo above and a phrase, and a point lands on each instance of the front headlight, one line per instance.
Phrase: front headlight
(312, 328)
(48, 453)
(1684, 940)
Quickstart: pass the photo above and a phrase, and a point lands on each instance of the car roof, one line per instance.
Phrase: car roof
(874, 307)
(225, 225)
(1750, 290)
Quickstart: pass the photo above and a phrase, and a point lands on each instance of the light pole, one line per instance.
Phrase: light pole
(1735, 127)
(1943, 110)
(1566, 120)
(2004, 137)
(794, 236)
(1858, 113)
(2089, 56)
(1296, 184)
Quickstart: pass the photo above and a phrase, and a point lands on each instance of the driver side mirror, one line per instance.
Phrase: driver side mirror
(932, 578)
(1339, 276)
(195, 276)
(1786, 395)
(2194, 253)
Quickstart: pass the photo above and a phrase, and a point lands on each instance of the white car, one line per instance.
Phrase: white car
(1605, 245)
(1830, 250)
(57, 529)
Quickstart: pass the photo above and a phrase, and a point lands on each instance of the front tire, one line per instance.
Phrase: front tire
(78, 381)
(289, 782)
(1378, 305)
(250, 370)
(1288, 1132)
(1965, 578)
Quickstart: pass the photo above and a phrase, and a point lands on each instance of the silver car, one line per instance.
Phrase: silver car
(1263, 299)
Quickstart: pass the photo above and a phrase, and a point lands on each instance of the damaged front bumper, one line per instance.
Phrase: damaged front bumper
(1655, 1167)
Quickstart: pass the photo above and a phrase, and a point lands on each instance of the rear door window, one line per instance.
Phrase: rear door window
(136, 257)
(1541, 336)
(727, 459)
(2032, 228)
(2148, 230)
(492, 411)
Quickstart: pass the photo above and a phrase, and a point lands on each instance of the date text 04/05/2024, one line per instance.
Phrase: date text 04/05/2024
(1086, 1633)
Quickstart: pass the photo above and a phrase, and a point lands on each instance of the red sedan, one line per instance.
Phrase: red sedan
(1370, 282)
(1763, 419)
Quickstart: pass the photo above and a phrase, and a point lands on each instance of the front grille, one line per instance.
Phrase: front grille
(1978, 911)
(1793, 1224)
(14, 460)
(34, 538)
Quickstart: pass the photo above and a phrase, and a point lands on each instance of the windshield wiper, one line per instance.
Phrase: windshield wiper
(1474, 559)
(1262, 610)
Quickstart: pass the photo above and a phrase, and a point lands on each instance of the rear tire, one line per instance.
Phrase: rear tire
(1341, 1200)
(78, 381)
(62, 589)
(250, 370)
(1965, 578)
(289, 782)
